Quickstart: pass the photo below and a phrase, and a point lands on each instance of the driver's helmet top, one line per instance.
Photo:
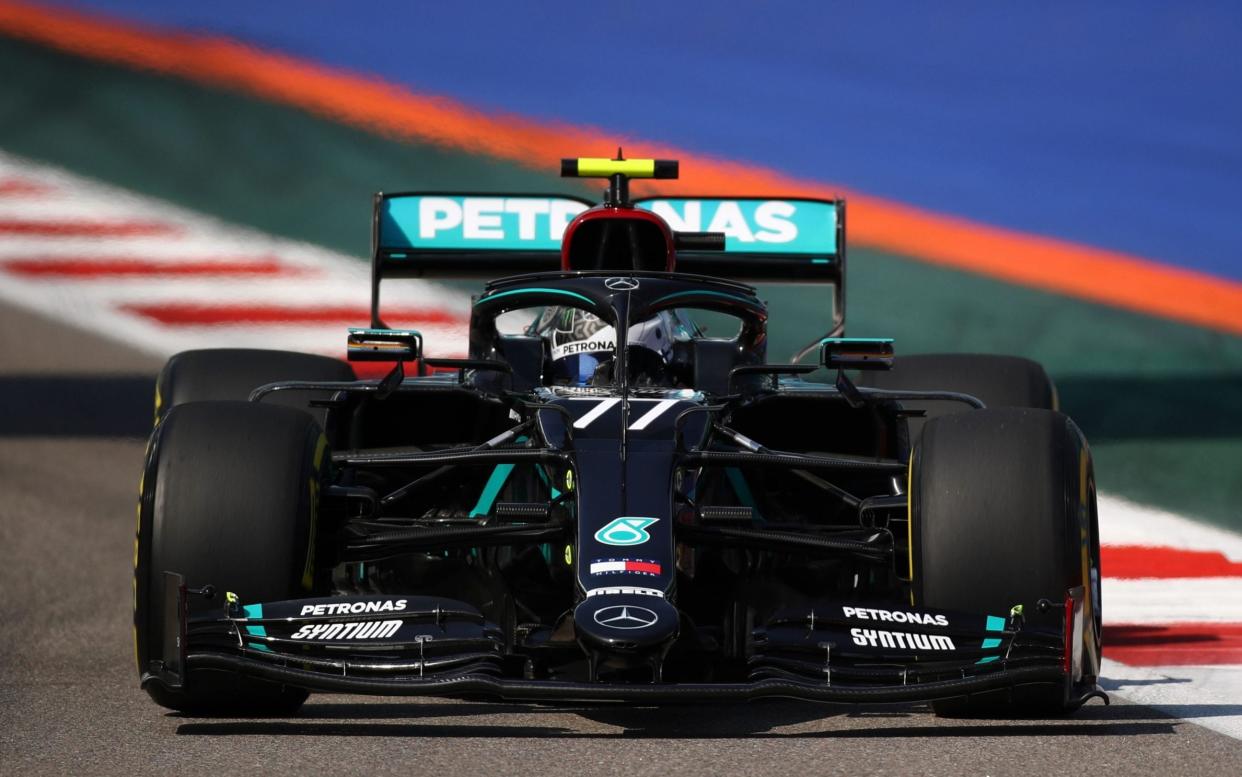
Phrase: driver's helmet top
(583, 345)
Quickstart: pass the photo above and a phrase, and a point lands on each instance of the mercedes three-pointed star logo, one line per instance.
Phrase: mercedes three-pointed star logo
(625, 616)
(621, 284)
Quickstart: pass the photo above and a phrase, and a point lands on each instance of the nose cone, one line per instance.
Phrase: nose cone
(625, 621)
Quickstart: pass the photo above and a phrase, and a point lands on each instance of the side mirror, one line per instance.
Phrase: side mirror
(856, 353)
(384, 345)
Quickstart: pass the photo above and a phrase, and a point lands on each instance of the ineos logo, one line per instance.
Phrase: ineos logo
(625, 616)
(621, 284)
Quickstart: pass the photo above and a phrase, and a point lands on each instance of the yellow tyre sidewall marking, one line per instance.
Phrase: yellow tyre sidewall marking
(910, 521)
(308, 571)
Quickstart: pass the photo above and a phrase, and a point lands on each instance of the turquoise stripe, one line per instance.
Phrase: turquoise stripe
(742, 489)
(988, 659)
(994, 623)
(545, 549)
(256, 611)
(561, 292)
(544, 477)
(848, 340)
(706, 293)
(495, 482)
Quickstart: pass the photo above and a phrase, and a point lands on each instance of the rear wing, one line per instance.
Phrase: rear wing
(767, 240)
(486, 236)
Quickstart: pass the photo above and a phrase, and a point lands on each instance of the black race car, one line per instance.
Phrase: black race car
(603, 501)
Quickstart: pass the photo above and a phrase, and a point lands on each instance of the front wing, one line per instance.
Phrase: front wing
(430, 646)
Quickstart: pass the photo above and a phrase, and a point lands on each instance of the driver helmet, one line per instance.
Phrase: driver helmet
(583, 346)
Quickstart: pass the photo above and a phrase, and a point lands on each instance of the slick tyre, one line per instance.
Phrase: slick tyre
(1003, 513)
(232, 373)
(229, 497)
(1000, 381)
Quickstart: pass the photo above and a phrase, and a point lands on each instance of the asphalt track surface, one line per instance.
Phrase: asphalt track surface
(72, 409)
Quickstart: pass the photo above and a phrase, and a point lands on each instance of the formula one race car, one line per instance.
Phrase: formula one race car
(601, 502)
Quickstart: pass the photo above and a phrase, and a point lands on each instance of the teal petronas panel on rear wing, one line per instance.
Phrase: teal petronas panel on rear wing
(776, 240)
(481, 236)
(757, 226)
(417, 223)
(470, 235)
(770, 241)
(465, 236)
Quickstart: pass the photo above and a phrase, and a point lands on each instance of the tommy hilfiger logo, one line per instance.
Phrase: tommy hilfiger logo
(615, 565)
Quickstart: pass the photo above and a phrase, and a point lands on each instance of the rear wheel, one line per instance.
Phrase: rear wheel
(1000, 381)
(232, 373)
(1003, 511)
(229, 497)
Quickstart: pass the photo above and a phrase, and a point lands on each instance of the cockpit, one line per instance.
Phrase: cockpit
(561, 329)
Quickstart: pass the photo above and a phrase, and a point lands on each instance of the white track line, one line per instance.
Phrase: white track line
(1210, 696)
(106, 304)
(1176, 600)
(1123, 522)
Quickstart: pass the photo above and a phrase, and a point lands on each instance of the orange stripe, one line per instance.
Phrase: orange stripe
(1060, 266)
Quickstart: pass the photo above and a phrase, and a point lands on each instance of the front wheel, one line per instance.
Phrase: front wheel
(229, 497)
(1004, 513)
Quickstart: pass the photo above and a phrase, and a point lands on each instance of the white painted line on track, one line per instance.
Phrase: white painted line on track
(128, 307)
(1123, 522)
(1209, 696)
(1175, 600)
